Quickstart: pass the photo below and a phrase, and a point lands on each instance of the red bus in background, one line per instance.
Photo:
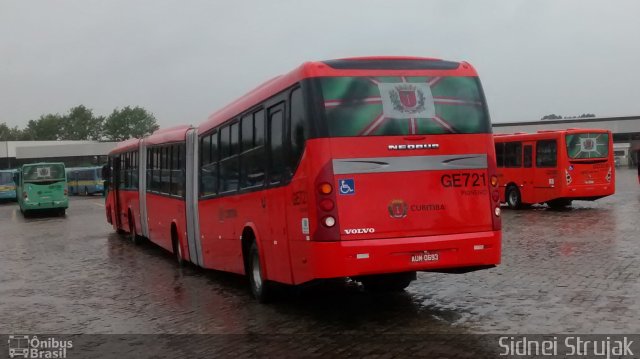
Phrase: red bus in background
(368, 168)
(555, 167)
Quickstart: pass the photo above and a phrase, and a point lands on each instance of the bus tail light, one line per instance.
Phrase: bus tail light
(326, 226)
(609, 175)
(66, 192)
(568, 177)
(494, 200)
(325, 188)
(495, 196)
(24, 195)
(329, 221)
(327, 205)
(494, 181)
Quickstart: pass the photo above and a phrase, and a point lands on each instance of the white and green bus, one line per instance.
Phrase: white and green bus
(42, 187)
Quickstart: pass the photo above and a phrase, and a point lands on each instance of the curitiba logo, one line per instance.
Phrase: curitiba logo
(407, 98)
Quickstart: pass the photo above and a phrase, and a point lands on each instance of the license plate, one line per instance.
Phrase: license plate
(425, 257)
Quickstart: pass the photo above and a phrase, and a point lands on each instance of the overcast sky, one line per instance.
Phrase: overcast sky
(184, 59)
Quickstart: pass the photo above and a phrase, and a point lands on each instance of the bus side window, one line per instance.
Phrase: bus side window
(252, 158)
(122, 171)
(299, 130)
(276, 150)
(149, 167)
(513, 154)
(229, 171)
(528, 154)
(500, 154)
(209, 165)
(546, 153)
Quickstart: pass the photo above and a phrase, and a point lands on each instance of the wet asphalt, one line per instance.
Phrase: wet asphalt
(569, 271)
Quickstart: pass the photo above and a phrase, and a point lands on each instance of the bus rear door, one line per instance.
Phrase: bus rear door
(527, 173)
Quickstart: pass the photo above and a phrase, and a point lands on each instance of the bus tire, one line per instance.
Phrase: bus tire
(62, 212)
(513, 197)
(133, 236)
(177, 248)
(386, 283)
(260, 288)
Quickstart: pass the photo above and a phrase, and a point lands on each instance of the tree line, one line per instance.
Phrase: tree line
(80, 123)
(553, 116)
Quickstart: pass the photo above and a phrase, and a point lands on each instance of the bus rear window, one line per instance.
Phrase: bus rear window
(390, 106)
(588, 145)
(45, 172)
(6, 178)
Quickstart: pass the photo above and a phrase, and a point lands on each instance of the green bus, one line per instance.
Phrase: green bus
(42, 187)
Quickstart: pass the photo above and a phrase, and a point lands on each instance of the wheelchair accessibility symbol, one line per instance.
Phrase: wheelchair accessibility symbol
(347, 186)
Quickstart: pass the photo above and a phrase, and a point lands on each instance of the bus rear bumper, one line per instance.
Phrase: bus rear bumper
(444, 253)
(589, 192)
(45, 205)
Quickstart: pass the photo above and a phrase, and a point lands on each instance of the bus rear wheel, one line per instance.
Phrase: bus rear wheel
(514, 199)
(133, 236)
(260, 288)
(177, 248)
(384, 283)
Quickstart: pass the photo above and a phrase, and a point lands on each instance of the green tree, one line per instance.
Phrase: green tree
(46, 128)
(10, 134)
(81, 124)
(128, 123)
(551, 117)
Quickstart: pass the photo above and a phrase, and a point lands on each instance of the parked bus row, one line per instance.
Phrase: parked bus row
(368, 168)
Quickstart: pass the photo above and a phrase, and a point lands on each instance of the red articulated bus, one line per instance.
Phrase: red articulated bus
(555, 167)
(368, 168)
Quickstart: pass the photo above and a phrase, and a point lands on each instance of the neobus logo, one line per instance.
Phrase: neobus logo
(418, 146)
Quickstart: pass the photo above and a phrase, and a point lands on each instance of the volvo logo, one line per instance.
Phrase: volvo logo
(417, 146)
(398, 208)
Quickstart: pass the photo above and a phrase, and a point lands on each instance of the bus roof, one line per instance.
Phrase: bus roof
(42, 163)
(126, 145)
(356, 66)
(542, 134)
(83, 168)
(168, 135)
